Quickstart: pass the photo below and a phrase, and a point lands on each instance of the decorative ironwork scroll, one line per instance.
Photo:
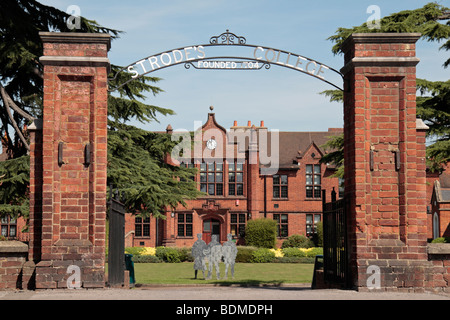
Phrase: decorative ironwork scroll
(227, 38)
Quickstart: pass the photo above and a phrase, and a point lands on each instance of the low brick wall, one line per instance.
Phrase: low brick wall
(13, 256)
(439, 255)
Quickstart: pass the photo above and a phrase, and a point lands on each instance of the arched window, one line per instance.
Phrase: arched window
(435, 225)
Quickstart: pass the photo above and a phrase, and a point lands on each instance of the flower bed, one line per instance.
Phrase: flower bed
(245, 254)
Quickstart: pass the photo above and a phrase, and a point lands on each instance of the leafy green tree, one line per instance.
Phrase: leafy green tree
(434, 109)
(14, 191)
(336, 155)
(135, 163)
(433, 102)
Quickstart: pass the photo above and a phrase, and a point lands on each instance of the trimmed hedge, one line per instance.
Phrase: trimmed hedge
(245, 254)
(293, 252)
(174, 254)
(297, 241)
(248, 254)
(294, 260)
(135, 251)
(313, 252)
(262, 255)
(261, 233)
(146, 259)
(162, 254)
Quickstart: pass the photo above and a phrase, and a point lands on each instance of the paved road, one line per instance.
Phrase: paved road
(298, 292)
(219, 302)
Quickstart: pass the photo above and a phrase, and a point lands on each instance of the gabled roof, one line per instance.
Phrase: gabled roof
(294, 145)
(211, 121)
(442, 188)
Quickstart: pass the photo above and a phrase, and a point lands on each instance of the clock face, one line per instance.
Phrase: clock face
(211, 144)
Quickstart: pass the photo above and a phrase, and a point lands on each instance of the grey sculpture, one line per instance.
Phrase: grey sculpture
(229, 251)
(199, 254)
(214, 252)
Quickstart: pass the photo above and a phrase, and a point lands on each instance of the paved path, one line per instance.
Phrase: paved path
(299, 292)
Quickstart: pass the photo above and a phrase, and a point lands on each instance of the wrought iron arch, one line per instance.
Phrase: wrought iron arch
(263, 57)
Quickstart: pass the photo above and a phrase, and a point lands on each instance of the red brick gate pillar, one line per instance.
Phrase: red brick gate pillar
(69, 214)
(384, 161)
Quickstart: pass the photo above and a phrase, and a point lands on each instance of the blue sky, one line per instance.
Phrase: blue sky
(286, 100)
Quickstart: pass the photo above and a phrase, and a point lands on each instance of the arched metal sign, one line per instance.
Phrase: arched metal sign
(196, 56)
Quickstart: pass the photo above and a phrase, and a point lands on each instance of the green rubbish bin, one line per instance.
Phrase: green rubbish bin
(129, 265)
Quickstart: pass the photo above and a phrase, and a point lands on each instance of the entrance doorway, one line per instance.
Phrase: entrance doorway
(210, 227)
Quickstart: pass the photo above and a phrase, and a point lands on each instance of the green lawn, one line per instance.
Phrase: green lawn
(245, 273)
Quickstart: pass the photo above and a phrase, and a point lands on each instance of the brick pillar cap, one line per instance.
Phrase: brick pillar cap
(35, 125)
(382, 37)
(76, 37)
(420, 125)
(13, 246)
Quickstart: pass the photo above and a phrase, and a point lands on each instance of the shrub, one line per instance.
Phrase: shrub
(313, 252)
(293, 252)
(244, 253)
(278, 252)
(318, 236)
(294, 260)
(160, 254)
(146, 259)
(168, 254)
(185, 254)
(262, 255)
(261, 233)
(135, 251)
(297, 241)
(441, 240)
(148, 251)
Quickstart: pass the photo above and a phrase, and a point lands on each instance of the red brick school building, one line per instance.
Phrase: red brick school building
(238, 190)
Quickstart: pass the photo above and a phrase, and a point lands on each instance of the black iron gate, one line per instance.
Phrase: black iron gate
(116, 241)
(335, 252)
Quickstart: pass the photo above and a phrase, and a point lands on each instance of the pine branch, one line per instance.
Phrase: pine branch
(13, 122)
(444, 16)
(14, 106)
(334, 95)
(423, 20)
